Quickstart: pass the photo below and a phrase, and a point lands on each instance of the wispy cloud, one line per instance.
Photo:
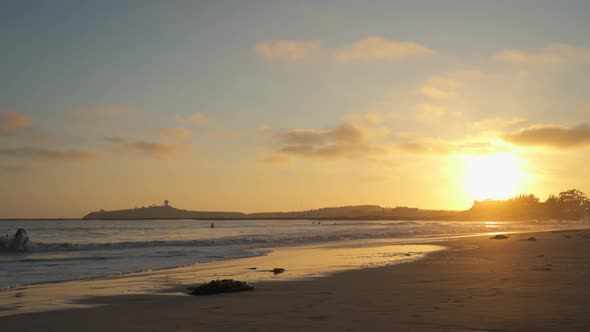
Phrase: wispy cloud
(198, 118)
(428, 145)
(12, 122)
(498, 124)
(438, 87)
(287, 50)
(151, 149)
(370, 118)
(15, 169)
(343, 141)
(99, 116)
(370, 49)
(551, 135)
(227, 135)
(47, 154)
(274, 159)
(379, 49)
(115, 139)
(550, 54)
(430, 112)
(106, 110)
(177, 133)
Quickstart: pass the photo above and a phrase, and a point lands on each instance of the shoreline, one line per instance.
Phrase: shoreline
(499, 285)
(326, 258)
(444, 241)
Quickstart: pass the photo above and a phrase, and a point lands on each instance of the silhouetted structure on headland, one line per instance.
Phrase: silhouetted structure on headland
(568, 205)
(359, 212)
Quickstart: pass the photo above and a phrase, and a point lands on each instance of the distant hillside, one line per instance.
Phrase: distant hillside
(369, 212)
(162, 212)
(571, 204)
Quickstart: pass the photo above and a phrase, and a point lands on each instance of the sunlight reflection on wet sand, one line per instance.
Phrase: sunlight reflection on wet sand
(298, 262)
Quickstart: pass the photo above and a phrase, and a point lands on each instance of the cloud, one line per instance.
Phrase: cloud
(429, 112)
(379, 49)
(46, 154)
(106, 110)
(550, 135)
(302, 136)
(366, 50)
(286, 50)
(275, 159)
(100, 116)
(15, 169)
(343, 141)
(370, 118)
(197, 118)
(550, 54)
(227, 135)
(12, 122)
(115, 139)
(438, 87)
(405, 134)
(427, 145)
(498, 124)
(152, 149)
(177, 133)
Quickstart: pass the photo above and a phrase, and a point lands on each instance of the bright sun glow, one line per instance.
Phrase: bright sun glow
(495, 176)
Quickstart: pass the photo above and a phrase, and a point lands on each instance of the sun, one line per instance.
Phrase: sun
(496, 176)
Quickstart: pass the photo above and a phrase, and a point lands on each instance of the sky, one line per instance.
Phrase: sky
(289, 105)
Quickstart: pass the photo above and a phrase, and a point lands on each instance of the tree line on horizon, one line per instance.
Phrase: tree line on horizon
(571, 204)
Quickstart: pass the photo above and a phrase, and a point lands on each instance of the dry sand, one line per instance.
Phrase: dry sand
(499, 285)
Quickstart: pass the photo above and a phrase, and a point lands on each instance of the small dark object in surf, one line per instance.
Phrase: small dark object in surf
(252, 268)
(568, 236)
(278, 270)
(222, 286)
(499, 237)
(407, 254)
(529, 239)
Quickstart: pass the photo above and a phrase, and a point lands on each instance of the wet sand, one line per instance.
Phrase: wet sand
(478, 284)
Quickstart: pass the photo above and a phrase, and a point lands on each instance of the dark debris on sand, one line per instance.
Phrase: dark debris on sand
(222, 286)
(499, 237)
(546, 267)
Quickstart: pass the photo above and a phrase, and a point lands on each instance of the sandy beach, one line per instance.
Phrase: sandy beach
(478, 284)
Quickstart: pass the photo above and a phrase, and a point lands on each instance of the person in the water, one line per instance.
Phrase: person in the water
(19, 242)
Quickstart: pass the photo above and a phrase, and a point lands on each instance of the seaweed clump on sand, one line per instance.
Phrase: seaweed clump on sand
(499, 237)
(221, 286)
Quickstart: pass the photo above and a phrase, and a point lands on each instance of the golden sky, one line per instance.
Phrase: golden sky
(281, 106)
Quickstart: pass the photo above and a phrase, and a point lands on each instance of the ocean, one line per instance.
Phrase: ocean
(82, 249)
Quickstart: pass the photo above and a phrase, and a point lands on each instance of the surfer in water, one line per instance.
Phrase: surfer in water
(212, 225)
